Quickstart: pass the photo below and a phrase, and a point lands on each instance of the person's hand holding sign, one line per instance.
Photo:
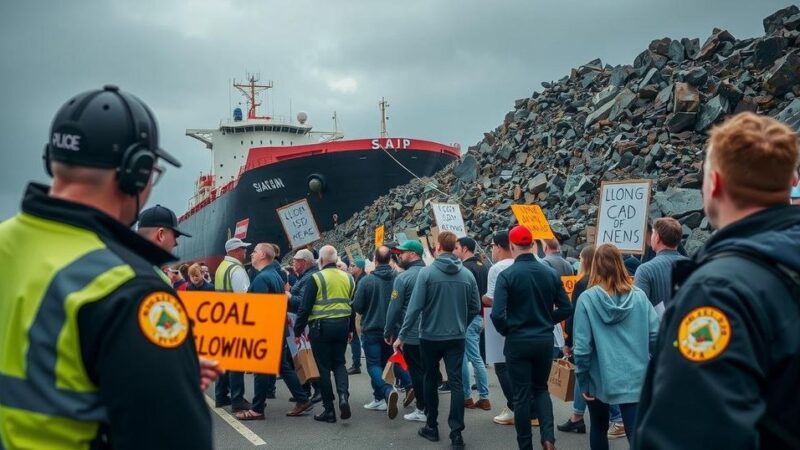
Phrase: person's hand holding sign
(209, 371)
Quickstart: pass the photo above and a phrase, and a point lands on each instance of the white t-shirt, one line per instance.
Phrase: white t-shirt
(494, 272)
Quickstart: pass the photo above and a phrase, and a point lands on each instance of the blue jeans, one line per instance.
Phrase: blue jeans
(579, 406)
(355, 349)
(472, 354)
(232, 382)
(378, 353)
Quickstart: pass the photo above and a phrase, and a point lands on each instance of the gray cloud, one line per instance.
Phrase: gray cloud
(450, 69)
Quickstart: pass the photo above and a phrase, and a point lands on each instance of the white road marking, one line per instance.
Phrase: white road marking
(235, 423)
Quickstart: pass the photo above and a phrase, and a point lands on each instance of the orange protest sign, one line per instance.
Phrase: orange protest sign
(379, 236)
(569, 285)
(244, 332)
(532, 218)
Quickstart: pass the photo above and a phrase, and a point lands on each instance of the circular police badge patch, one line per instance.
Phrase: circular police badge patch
(163, 320)
(703, 334)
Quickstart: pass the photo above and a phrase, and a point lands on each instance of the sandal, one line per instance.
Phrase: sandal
(249, 415)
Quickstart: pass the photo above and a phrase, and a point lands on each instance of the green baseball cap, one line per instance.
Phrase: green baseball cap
(410, 246)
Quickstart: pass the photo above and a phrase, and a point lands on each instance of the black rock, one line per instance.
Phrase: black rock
(468, 169)
(691, 47)
(676, 52)
(774, 22)
(680, 121)
(660, 46)
(696, 77)
(730, 91)
(711, 111)
(784, 74)
(620, 75)
(767, 51)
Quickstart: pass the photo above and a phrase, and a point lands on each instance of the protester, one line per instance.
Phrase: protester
(305, 267)
(326, 307)
(553, 258)
(206, 272)
(372, 301)
(501, 254)
(465, 251)
(197, 282)
(729, 346)
(410, 259)
(357, 270)
(445, 300)
(231, 276)
(528, 300)
(159, 225)
(277, 264)
(78, 356)
(269, 281)
(654, 277)
(615, 327)
(175, 277)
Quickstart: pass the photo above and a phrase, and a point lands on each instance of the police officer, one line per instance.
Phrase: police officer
(97, 351)
(726, 370)
(326, 308)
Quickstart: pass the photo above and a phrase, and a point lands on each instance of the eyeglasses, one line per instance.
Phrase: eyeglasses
(158, 172)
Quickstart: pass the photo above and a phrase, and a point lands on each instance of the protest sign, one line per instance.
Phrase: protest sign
(569, 284)
(298, 223)
(532, 218)
(448, 218)
(622, 217)
(244, 332)
(379, 236)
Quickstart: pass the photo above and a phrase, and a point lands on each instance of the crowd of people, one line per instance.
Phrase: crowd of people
(670, 351)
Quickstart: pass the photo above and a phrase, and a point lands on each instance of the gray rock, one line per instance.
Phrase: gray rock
(537, 184)
(620, 75)
(505, 152)
(664, 95)
(468, 169)
(791, 115)
(692, 220)
(679, 202)
(767, 51)
(710, 112)
(680, 121)
(605, 96)
(576, 183)
(784, 74)
(676, 52)
(696, 77)
(661, 46)
(621, 102)
(696, 240)
(774, 22)
(598, 114)
(687, 98)
(692, 47)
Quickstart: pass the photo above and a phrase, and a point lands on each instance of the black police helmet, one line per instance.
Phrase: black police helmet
(97, 127)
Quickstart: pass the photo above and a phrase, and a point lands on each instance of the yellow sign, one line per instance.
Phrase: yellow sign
(532, 218)
(569, 285)
(704, 333)
(163, 320)
(379, 236)
(244, 332)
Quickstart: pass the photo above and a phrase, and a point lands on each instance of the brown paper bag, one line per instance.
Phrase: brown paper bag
(304, 363)
(388, 373)
(562, 380)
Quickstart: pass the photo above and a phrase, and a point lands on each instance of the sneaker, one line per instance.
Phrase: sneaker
(616, 430)
(506, 417)
(444, 388)
(431, 434)
(573, 427)
(391, 409)
(416, 416)
(457, 441)
(376, 405)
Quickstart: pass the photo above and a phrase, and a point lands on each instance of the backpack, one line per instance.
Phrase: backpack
(780, 434)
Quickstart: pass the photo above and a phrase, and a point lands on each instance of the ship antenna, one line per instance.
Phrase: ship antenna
(335, 123)
(250, 90)
(383, 104)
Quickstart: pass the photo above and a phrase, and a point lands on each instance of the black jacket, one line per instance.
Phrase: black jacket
(152, 393)
(524, 300)
(206, 286)
(726, 370)
(372, 299)
(480, 271)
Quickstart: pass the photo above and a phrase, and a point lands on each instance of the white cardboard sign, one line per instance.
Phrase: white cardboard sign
(298, 223)
(448, 218)
(622, 216)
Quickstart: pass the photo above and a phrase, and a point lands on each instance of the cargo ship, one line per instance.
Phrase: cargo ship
(261, 163)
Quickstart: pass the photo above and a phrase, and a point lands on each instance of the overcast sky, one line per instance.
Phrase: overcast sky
(450, 69)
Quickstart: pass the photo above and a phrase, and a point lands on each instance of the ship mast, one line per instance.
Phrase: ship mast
(383, 105)
(250, 90)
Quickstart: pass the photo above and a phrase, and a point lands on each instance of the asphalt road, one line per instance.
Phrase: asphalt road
(373, 430)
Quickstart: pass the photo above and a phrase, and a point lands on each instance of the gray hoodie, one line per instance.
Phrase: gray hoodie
(372, 298)
(445, 300)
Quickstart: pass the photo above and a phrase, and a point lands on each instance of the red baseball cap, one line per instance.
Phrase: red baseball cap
(520, 235)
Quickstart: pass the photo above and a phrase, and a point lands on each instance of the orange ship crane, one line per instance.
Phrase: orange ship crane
(250, 90)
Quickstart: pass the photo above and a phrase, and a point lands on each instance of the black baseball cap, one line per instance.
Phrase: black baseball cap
(159, 216)
(96, 127)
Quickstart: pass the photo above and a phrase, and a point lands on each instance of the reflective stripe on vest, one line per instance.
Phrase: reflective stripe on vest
(223, 279)
(334, 293)
(47, 399)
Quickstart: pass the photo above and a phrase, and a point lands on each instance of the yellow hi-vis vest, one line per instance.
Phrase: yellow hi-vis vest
(224, 275)
(47, 399)
(334, 294)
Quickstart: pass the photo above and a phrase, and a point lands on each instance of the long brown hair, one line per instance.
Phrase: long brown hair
(609, 272)
(587, 260)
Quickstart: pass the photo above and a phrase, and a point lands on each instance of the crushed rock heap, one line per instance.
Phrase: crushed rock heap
(645, 120)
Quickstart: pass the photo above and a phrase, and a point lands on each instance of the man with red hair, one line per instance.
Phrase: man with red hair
(728, 354)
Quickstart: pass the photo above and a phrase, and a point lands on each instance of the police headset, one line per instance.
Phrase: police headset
(138, 160)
